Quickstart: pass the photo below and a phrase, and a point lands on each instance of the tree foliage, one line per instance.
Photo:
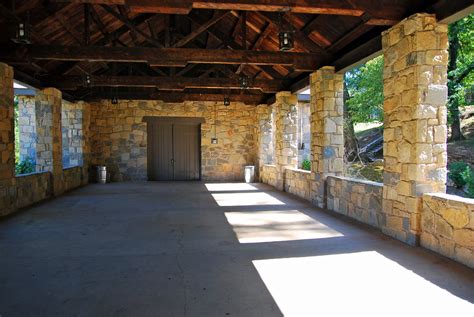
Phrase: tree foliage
(364, 86)
(460, 69)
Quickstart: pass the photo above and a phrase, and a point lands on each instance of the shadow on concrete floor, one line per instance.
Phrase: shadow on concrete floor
(187, 249)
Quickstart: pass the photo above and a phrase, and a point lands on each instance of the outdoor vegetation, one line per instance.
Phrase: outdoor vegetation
(363, 112)
(26, 165)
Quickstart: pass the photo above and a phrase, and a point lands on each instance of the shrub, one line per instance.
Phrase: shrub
(306, 165)
(455, 173)
(24, 167)
(468, 177)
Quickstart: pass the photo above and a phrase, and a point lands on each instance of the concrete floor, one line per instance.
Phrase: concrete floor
(187, 249)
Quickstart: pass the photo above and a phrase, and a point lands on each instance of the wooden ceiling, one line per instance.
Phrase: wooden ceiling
(179, 50)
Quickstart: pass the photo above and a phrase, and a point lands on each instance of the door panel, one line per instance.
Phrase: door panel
(174, 150)
(186, 152)
(161, 154)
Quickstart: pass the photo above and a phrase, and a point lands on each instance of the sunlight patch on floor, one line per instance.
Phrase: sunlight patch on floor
(270, 226)
(355, 284)
(223, 187)
(245, 199)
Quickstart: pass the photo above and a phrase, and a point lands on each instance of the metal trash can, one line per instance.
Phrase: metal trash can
(101, 174)
(249, 174)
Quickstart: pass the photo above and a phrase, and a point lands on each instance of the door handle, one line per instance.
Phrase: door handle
(172, 161)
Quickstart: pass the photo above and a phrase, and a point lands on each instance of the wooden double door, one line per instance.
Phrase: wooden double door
(174, 149)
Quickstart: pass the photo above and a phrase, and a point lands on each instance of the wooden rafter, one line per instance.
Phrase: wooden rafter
(179, 57)
(163, 83)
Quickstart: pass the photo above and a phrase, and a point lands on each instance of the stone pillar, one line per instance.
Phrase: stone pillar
(265, 146)
(327, 141)
(286, 137)
(27, 127)
(48, 134)
(7, 139)
(415, 91)
(86, 146)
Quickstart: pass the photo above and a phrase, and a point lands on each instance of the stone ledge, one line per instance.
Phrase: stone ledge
(357, 180)
(72, 167)
(298, 170)
(31, 174)
(443, 196)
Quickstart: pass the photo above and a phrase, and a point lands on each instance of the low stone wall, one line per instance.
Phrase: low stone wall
(32, 188)
(298, 182)
(269, 175)
(72, 178)
(447, 224)
(355, 198)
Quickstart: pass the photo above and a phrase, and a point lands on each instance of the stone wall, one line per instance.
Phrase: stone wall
(447, 226)
(73, 178)
(7, 146)
(72, 134)
(27, 127)
(355, 198)
(269, 175)
(298, 182)
(415, 95)
(32, 188)
(119, 140)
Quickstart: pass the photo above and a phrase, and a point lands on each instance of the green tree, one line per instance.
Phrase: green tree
(364, 86)
(460, 70)
(363, 101)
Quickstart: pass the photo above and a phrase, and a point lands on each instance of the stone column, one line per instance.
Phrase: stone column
(48, 134)
(7, 151)
(265, 146)
(86, 146)
(286, 137)
(327, 141)
(415, 91)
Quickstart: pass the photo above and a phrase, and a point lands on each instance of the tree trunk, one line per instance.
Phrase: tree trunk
(351, 146)
(453, 106)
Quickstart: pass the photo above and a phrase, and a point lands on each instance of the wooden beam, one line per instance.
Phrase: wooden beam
(103, 29)
(87, 33)
(173, 96)
(368, 48)
(243, 29)
(300, 36)
(163, 83)
(202, 28)
(333, 7)
(179, 57)
(229, 41)
(132, 26)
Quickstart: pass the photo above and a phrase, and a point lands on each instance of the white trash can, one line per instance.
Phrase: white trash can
(101, 174)
(249, 174)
